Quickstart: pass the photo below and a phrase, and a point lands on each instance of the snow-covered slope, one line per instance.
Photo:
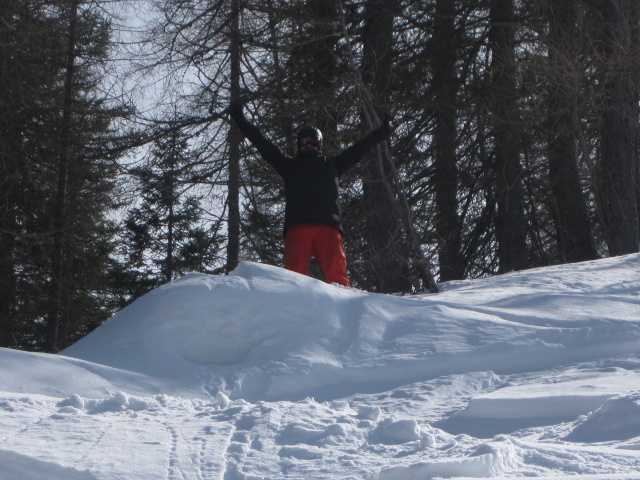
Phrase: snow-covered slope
(266, 374)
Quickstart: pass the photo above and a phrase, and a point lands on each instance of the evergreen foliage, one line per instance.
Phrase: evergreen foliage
(165, 235)
(516, 143)
(33, 55)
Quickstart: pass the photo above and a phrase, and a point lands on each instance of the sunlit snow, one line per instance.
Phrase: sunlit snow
(266, 374)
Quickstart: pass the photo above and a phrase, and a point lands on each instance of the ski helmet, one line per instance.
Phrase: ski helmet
(309, 131)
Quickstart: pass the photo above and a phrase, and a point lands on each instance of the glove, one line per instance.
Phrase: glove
(388, 122)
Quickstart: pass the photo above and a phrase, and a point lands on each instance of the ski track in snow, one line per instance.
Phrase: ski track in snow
(306, 439)
(531, 374)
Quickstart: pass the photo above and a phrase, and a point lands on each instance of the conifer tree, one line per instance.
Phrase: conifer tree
(165, 236)
(35, 54)
(619, 126)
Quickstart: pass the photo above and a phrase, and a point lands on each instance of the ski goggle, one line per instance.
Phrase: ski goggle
(308, 141)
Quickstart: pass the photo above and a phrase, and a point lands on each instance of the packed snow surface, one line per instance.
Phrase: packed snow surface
(267, 374)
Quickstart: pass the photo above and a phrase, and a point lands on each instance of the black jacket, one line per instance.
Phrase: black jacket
(310, 182)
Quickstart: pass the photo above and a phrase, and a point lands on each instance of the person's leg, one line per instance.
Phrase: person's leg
(329, 250)
(298, 248)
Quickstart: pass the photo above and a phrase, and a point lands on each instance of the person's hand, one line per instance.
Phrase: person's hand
(388, 122)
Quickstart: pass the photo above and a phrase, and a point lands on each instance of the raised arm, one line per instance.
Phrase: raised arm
(356, 152)
(267, 149)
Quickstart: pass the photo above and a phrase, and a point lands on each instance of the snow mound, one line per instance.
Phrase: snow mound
(252, 316)
(267, 374)
(617, 419)
(267, 333)
(23, 467)
(561, 400)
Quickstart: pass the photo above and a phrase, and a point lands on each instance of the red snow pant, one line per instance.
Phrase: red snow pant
(304, 241)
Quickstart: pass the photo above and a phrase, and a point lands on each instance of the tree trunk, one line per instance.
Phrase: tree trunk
(619, 129)
(168, 262)
(317, 68)
(393, 187)
(572, 220)
(387, 252)
(57, 283)
(71, 216)
(445, 174)
(510, 221)
(635, 41)
(234, 141)
(8, 173)
(7, 272)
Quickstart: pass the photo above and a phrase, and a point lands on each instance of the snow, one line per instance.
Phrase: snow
(266, 374)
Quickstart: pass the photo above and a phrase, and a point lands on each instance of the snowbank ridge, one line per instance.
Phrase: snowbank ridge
(266, 333)
(266, 374)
